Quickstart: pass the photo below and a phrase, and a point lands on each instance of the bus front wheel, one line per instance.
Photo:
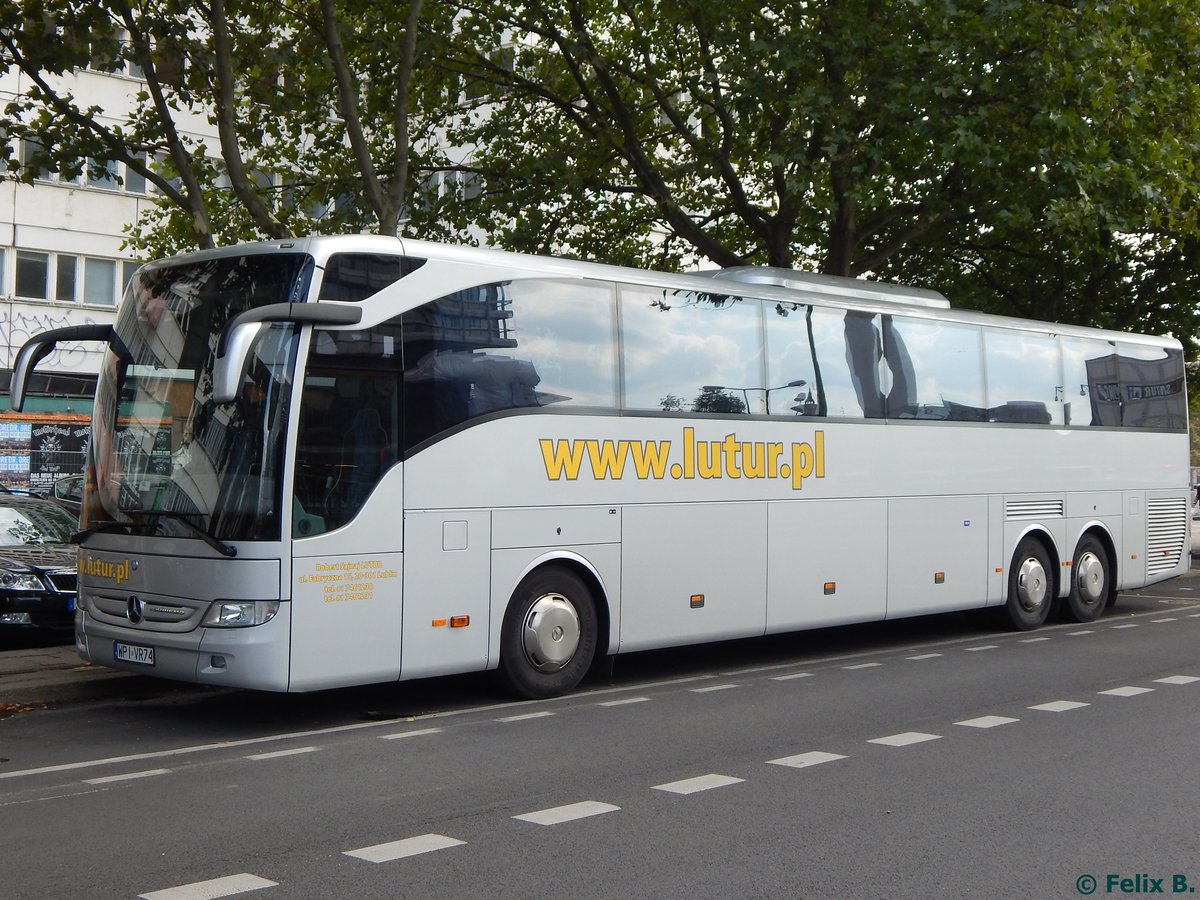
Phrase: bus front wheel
(1030, 586)
(1090, 581)
(549, 634)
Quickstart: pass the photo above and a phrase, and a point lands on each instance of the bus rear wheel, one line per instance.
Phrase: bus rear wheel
(549, 634)
(1090, 581)
(1030, 586)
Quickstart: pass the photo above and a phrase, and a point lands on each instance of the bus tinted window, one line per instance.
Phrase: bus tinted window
(936, 369)
(352, 277)
(507, 346)
(1024, 377)
(349, 424)
(800, 383)
(1091, 387)
(1151, 380)
(686, 351)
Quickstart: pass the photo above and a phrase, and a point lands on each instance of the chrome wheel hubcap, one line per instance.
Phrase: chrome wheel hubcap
(1089, 578)
(550, 635)
(1031, 585)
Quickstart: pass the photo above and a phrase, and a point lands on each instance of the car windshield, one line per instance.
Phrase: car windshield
(29, 521)
(161, 447)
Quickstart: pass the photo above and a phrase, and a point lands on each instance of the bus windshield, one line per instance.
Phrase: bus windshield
(164, 457)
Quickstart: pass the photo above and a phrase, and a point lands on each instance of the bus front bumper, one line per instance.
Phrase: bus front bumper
(255, 657)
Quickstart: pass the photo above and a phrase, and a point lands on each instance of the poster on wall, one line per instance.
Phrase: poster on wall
(14, 454)
(55, 449)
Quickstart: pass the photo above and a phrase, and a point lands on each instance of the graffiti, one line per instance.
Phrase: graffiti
(20, 322)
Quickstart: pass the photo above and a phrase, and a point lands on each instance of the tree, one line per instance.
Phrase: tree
(286, 162)
(1039, 154)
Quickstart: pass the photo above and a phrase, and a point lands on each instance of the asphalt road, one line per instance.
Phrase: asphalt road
(931, 758)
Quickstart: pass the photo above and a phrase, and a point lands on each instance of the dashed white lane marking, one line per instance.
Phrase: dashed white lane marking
(211, 890)
(791, 677)
(870, 665)
(278, 753)
(128, 776)
(625, 702)
(699, 783)
(1059, 706)
(1032, 640)
(904, 739)
(413, 846)
(924, 656)
(1085, 631)
(1127, 625)
(407, 734)
(987, 721)
(1177, 679)
(984, 647)
(804, 760)
(569, 813)
(524, 716)
(1168, 619)
(714, 687)
(1128, 690)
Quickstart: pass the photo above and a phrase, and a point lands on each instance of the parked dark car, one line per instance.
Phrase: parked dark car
(37, 564)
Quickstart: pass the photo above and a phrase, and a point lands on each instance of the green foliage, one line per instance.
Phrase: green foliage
(1023, 156)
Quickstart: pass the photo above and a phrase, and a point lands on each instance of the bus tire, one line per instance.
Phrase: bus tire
(549, 634)
(1091, 581)
(1030, 586)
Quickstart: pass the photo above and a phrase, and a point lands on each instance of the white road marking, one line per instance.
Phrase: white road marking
(904, 739)
(1032, 640)
(794, 675)
(524, 716)
(1059, 706)
(624, 702)
(1168, 619)
(1127, 691)
(1085, 631)
(804, 760)
(984, 647)
(211, 890)
(108, 779)
(569, 813)
(924, 656)
(987, 721)
(870, 665)
(407, 734)
(1129, 625)
(714, 687)
(1177, 679)
(278, 753)
(699, 783)
(413, 846)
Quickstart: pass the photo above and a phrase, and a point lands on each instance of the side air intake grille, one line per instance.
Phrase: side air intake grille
(1166, 534)
(1033, 509)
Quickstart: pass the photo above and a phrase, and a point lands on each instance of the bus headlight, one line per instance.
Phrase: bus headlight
(240, 613)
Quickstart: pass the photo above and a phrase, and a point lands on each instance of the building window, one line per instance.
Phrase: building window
(33, 270)
(102, 174)
(64, 281)
(135, 182)
(99, 279)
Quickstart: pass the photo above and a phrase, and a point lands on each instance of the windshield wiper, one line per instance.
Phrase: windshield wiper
(129, 527)
(204, 535)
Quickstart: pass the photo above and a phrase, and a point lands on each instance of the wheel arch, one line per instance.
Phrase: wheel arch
(1043, 536)
(585, 570)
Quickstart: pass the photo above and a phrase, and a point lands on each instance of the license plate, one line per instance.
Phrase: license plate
(131, 653)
